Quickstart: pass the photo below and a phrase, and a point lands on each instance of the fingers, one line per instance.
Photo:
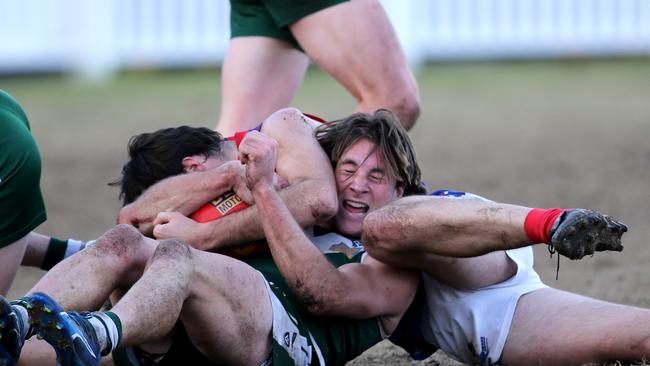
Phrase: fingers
(125, 216)
(159, 232)
(165, 217)
(164, 224)
(257, 145)
(259, 154)
(128, 215)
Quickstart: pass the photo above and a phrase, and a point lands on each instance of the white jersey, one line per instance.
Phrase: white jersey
(472, 325)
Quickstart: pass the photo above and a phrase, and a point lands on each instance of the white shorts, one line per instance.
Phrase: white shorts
(472, 326)
(286, 334)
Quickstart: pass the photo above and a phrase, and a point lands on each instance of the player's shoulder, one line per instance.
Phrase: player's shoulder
(287, 122)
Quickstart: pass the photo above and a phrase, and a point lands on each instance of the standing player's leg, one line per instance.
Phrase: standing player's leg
(554, 327)
(355, 42)
(21, 203)
(10, 258)
(259, 76)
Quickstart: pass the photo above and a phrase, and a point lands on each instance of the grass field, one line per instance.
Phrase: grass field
(568, 134)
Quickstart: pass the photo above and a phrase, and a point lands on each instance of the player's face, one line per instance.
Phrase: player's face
(363, 185)
(201, 163)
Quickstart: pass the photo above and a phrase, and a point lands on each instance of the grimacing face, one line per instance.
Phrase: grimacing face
(363, 185)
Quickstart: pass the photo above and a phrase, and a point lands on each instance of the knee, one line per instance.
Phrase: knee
(121, 241)
(174, 257)
(407, 108)
(172, 250)
(380, 236)
(402, 98)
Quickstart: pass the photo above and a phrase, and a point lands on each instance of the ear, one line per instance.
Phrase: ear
(192, 164)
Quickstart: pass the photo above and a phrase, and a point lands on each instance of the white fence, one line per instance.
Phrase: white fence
(98, 37)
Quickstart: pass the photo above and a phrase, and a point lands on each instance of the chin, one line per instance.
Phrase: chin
(348, 227)
(350, 230)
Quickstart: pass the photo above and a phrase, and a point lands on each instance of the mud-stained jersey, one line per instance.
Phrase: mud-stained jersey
(300, 338)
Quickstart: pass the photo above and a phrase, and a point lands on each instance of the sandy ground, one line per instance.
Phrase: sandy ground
(570, 134)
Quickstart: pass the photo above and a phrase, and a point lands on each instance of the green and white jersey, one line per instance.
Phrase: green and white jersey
(300, 338)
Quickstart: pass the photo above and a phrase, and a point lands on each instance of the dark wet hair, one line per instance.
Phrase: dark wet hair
(157, 155)
(384, 130)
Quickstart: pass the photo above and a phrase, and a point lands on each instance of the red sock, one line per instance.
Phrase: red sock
(538, 223)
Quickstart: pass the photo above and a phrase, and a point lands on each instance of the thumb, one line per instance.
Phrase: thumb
(159, 231)
(163, 218)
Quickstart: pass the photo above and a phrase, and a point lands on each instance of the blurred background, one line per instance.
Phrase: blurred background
(96, 39)
(536, 102)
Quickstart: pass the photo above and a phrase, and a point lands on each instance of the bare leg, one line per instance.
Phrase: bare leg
(37, 352)
(260, 75)
(151, 307)
(85, 280)
(357, 45)
(225, 306)
(553, 327)
(10, 258)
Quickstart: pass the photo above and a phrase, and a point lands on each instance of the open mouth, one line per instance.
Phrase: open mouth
(355, 206)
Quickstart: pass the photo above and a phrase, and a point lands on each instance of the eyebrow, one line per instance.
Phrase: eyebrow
(348, 161)
(376, 169)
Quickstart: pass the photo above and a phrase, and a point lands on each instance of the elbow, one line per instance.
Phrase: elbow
(318, 304)
(382, 236)
(319, 308)
(328, 205)
(320, 300)
(331, 306)
(324, 204)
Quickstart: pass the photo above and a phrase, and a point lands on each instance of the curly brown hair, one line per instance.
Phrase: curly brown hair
(382, 128)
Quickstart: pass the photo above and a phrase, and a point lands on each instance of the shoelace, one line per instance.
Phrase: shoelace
(551, 250)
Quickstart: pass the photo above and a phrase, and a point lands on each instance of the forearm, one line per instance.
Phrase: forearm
(182, 193)
(309, 201)
(36, 249)
(45, 252)
(311, 277)
(443, 226)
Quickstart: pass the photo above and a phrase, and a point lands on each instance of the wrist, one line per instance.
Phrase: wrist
(206, 239)
(539, 222)
(235, 173)
(263, 189)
